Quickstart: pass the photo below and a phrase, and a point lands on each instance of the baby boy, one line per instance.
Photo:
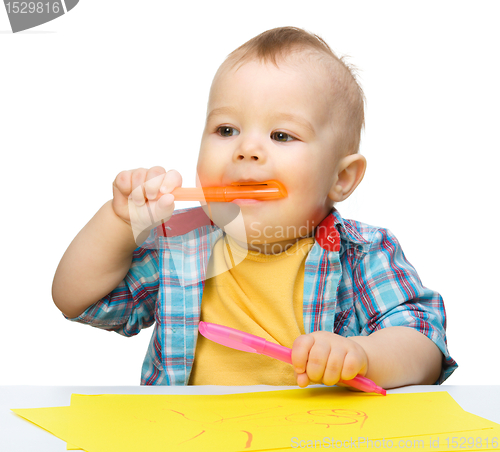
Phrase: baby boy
(340, 293)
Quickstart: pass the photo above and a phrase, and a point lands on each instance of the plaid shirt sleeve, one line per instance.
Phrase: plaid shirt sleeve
(389, 293)
(131, 306)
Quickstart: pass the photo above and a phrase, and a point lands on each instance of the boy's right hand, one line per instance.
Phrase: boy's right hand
(143, 198)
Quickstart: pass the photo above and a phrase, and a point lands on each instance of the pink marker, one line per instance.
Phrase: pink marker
(246, 342)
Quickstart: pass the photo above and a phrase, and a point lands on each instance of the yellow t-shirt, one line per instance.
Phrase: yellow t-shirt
(261, 295)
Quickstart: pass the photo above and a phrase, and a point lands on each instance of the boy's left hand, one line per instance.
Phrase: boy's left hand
(323, 357)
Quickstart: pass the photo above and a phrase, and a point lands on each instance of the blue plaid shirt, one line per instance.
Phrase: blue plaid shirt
(364, 286)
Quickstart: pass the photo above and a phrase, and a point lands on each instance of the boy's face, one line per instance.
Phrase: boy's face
(267, 123)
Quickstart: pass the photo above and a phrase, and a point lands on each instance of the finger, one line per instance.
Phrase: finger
(302, 380)
(171, 181)
(123, 183)
(333, 369)
(317, 360)
(353, 365)
(165, 207)
(300, 352)
(154, 179)
(138, 179)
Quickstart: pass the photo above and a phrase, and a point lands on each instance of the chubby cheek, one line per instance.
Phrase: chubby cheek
(307, 180)
(209, 169)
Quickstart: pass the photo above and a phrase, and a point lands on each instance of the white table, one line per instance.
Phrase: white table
(19, 435)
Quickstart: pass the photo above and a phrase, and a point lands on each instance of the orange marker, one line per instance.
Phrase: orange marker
(266, 190)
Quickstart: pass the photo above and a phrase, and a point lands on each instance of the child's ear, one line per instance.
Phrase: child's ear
(350, 172)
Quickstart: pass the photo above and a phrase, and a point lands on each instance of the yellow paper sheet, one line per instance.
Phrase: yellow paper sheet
(254, 421)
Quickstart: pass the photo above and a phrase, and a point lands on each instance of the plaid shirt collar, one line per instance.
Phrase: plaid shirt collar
(346, 231)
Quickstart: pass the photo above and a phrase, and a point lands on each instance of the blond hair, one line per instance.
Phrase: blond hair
(275, 44)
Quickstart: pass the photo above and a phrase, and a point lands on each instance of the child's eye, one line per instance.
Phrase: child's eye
(281, 136)
(226, 131)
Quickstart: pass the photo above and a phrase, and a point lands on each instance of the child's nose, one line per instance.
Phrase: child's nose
(250, 150)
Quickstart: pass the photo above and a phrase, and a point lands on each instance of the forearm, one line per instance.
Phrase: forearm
(400, 356)
(94, 264)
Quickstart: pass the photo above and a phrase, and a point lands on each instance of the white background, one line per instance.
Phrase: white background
(121, 84)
